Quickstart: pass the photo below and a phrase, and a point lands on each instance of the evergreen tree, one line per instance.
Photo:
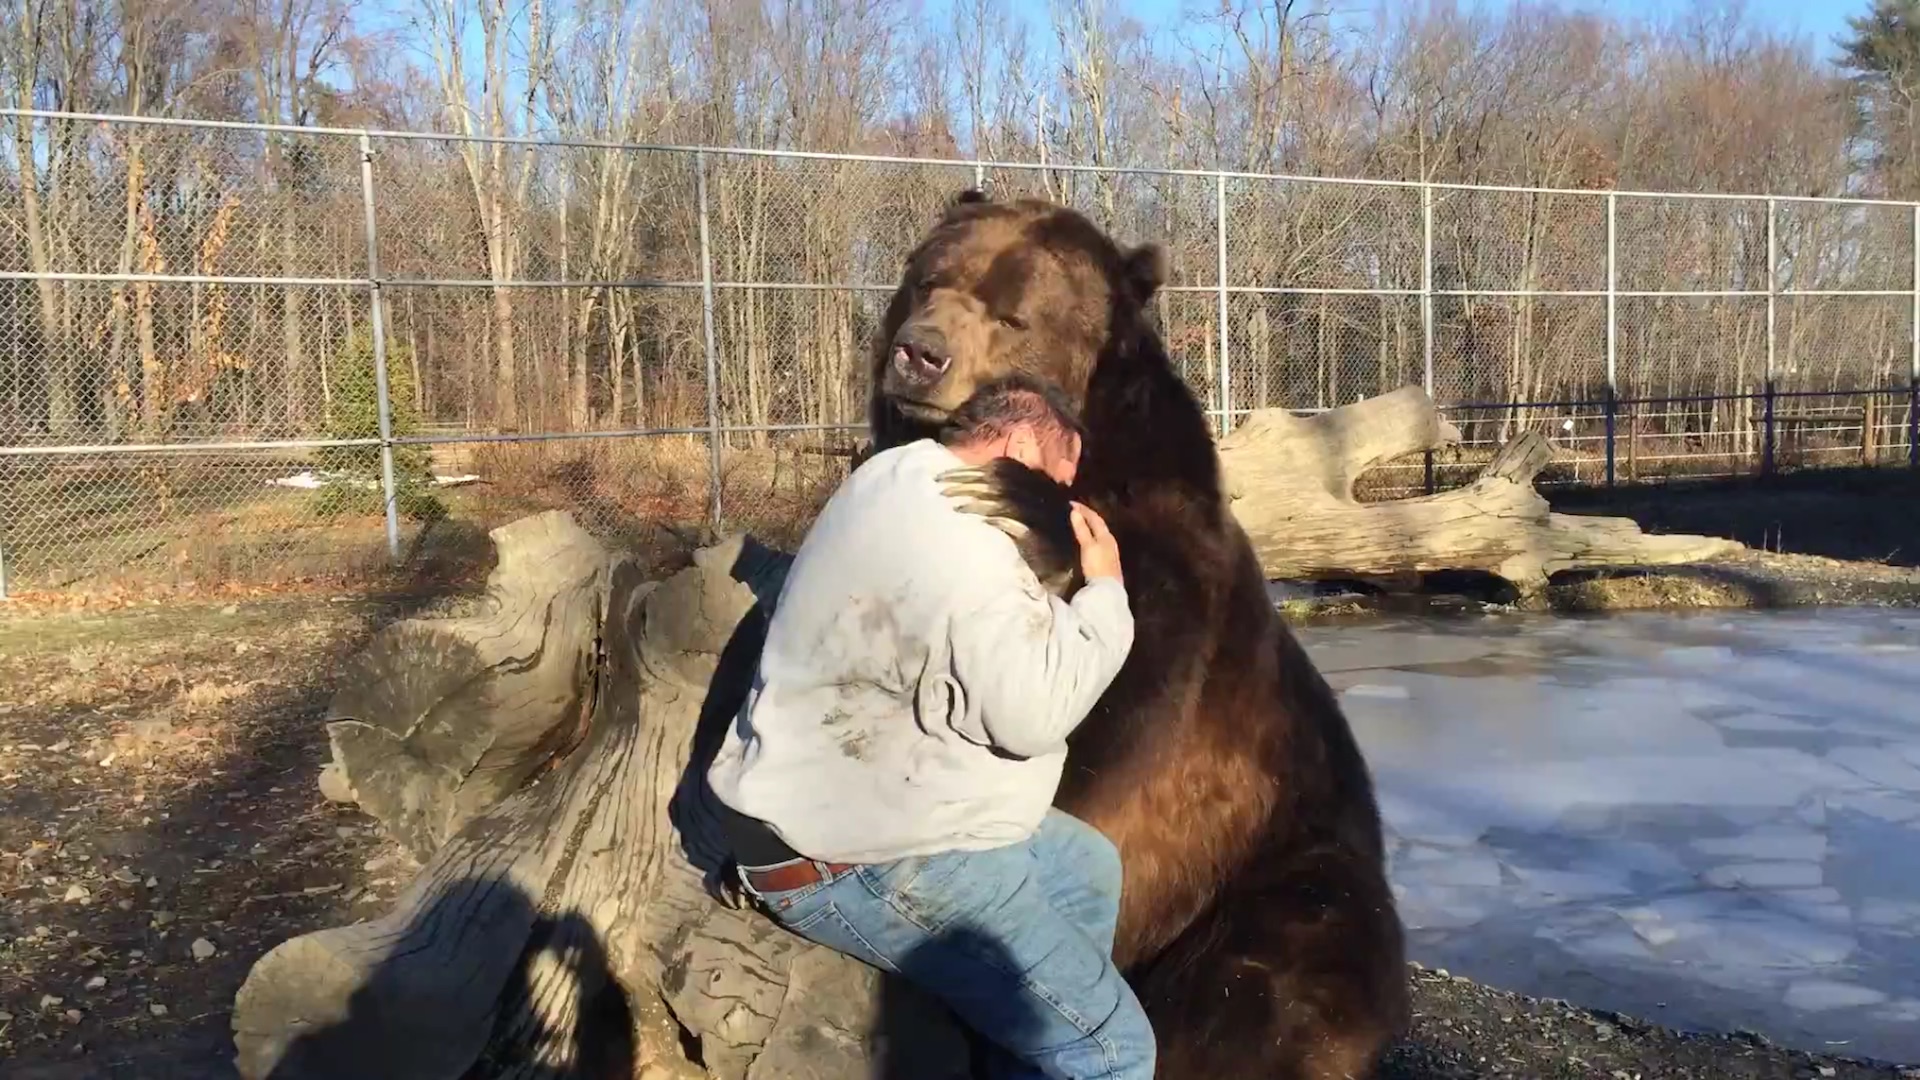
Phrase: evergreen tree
(355, 414)
(1883, 54)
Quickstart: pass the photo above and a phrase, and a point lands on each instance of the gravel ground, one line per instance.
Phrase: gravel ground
(160, 829)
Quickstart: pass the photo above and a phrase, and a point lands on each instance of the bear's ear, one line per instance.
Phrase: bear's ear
(1146, 271)
(972, 196)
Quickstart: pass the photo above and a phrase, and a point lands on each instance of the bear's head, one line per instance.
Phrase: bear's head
(1001, 287)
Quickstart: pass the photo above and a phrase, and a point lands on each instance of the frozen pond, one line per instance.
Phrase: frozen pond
(1711, 821)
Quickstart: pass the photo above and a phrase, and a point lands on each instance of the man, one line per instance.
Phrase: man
(892, 771)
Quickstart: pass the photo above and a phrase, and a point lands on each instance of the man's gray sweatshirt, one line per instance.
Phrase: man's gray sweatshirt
(917, 685)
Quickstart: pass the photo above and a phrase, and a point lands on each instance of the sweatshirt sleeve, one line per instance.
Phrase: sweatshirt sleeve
(1031, 665)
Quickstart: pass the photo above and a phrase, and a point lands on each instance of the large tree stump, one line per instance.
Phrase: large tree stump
(1291, 483)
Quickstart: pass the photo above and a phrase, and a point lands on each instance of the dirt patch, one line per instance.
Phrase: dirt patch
(1754, 579)
(1465, 1031)
(161, 828)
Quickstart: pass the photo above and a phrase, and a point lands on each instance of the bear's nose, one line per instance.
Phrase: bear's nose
(918, 363)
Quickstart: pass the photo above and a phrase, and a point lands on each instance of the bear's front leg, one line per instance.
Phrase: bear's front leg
(1028, 506)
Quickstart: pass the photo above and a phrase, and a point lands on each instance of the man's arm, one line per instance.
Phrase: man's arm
(1030, 664)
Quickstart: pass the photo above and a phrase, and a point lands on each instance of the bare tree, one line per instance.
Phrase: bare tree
(501, 107)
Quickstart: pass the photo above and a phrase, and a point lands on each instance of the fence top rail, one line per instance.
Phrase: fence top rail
(955, 163)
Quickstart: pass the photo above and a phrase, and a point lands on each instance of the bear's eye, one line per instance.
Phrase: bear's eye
(1012, 322)
(928, 283)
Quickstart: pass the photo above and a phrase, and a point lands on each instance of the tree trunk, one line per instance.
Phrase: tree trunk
(63, 397)
(1291, 484)
(506, 402)
(545, 759)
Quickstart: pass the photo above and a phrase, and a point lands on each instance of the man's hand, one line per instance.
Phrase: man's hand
(1099, 554)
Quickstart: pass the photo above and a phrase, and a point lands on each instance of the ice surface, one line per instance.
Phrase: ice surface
(1779, 842)
(1819, 995)
(1370, 690)
(1706, 820)
(1764, 875)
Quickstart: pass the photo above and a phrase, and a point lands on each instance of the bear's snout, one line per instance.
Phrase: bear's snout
(919, 358)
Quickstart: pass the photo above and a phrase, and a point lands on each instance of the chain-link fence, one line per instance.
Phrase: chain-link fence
(241, 351)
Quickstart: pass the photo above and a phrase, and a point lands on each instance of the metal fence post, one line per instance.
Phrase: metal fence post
(1613, 322)
(1220, 269)
(1913, 356)
(1426, 308)
(3, 573)
(713, 351)
(1773, 296)
(389, 495)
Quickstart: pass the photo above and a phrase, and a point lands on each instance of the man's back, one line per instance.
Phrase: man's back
(845, 745)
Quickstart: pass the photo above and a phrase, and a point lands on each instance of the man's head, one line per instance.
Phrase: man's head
(1019, 417)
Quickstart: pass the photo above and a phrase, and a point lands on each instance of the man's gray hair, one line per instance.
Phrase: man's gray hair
(999, 407)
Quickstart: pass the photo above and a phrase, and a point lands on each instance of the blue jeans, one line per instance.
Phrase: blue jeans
(1018, 940)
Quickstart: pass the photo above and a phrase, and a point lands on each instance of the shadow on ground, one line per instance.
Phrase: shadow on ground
(160, 801)
(1854, 514)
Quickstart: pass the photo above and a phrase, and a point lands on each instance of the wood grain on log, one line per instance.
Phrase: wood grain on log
(1291, 483)
(438, 719)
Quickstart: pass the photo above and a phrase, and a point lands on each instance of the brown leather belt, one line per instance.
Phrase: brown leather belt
(796, 875)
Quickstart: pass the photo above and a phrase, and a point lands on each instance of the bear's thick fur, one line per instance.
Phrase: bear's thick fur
(1257, 923)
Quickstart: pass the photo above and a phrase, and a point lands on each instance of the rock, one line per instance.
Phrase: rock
(230, 609)
(48, 1001)
(73, 1016)
(126, 877)
(78, 894)
(203, 949)
(42, 931)
(6, 1017)
(137, 954)
(162, 918)
(334, 786)
(153, 883)
(61, 747)
(157, 1009)
(98, 982)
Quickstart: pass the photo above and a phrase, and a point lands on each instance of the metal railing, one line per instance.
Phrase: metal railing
(145, 393)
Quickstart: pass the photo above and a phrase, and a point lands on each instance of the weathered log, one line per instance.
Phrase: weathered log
(438, 719)
(570, 929)
(1291, 483)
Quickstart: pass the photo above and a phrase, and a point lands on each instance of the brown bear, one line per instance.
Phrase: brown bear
(1257, 924)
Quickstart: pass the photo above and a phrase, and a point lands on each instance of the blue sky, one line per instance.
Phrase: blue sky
(1819, 20)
